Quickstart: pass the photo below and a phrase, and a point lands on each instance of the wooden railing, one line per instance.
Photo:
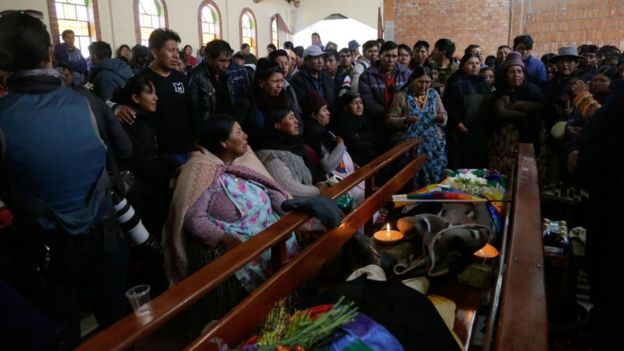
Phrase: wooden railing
(133, 328)
(522, 322)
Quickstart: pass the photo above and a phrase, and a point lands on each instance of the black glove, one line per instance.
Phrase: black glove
(321, 207)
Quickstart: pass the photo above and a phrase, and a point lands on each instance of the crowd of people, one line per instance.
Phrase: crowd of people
(217, 142)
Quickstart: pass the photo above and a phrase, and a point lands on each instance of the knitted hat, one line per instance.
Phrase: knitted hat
(276, 116)
(312, 103)
(513, 59)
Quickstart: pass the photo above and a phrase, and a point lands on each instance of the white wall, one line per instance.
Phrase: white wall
(263, 12)
(311, 11)
(117, 19)
(339, 31)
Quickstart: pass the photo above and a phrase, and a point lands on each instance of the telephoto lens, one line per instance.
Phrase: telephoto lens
(130, 221)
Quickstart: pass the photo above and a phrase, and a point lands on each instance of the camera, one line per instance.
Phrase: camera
(130, 221)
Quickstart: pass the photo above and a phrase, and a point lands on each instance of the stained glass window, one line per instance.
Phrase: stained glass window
(274, 32)
(151, 16)
(210, 23)
(248, 31)
(76, 15)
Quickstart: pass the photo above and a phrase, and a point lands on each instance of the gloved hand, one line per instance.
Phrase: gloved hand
(321, 207)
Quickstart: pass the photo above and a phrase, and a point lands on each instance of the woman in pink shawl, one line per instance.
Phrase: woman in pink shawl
(223, 197)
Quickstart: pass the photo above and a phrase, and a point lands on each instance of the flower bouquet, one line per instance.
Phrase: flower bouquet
(301, 330)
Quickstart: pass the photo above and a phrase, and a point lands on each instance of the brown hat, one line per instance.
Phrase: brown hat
(312, 103)
(513, 59)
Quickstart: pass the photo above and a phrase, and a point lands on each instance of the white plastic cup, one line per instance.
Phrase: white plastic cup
(139, 297)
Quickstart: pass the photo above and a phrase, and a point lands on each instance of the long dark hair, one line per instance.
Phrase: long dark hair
(140, 57)
(118, 51)
(217, 130)
(417, 73)
(137, 84)
(465, 59)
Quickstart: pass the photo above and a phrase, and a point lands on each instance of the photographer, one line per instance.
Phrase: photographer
(67, 240)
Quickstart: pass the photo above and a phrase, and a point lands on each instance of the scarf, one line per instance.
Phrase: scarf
(274, 139)
(34, 81)
(195, 177)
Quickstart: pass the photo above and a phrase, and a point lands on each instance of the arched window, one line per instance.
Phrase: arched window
(209, 22)
(274, 32)
(77, 15)
(148, 15)
(248, 30)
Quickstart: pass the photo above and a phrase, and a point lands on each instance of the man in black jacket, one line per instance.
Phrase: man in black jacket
(218, 85)
(312, 77)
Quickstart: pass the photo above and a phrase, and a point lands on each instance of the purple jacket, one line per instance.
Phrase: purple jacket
(71, 57)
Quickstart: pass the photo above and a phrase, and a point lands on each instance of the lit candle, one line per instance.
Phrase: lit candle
(487, 251)
(388, 235)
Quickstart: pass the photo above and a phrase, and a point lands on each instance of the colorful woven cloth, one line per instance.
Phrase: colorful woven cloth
(469, 185)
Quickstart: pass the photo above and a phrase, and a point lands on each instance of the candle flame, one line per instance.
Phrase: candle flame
(487, 251)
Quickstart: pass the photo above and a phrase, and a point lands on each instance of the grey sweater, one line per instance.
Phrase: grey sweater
(290, 171)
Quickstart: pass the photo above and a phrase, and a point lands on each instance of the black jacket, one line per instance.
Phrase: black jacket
(303, 83)
(109, 127)
(359, 136)
(204, 94)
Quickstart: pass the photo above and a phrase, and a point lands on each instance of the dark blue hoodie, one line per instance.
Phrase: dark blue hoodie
(109, 74)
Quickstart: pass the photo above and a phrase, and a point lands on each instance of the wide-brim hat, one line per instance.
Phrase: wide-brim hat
(566, 51)
(314, 51)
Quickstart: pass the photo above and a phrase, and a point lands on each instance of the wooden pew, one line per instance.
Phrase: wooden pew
(517, 316)
(133, 328)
